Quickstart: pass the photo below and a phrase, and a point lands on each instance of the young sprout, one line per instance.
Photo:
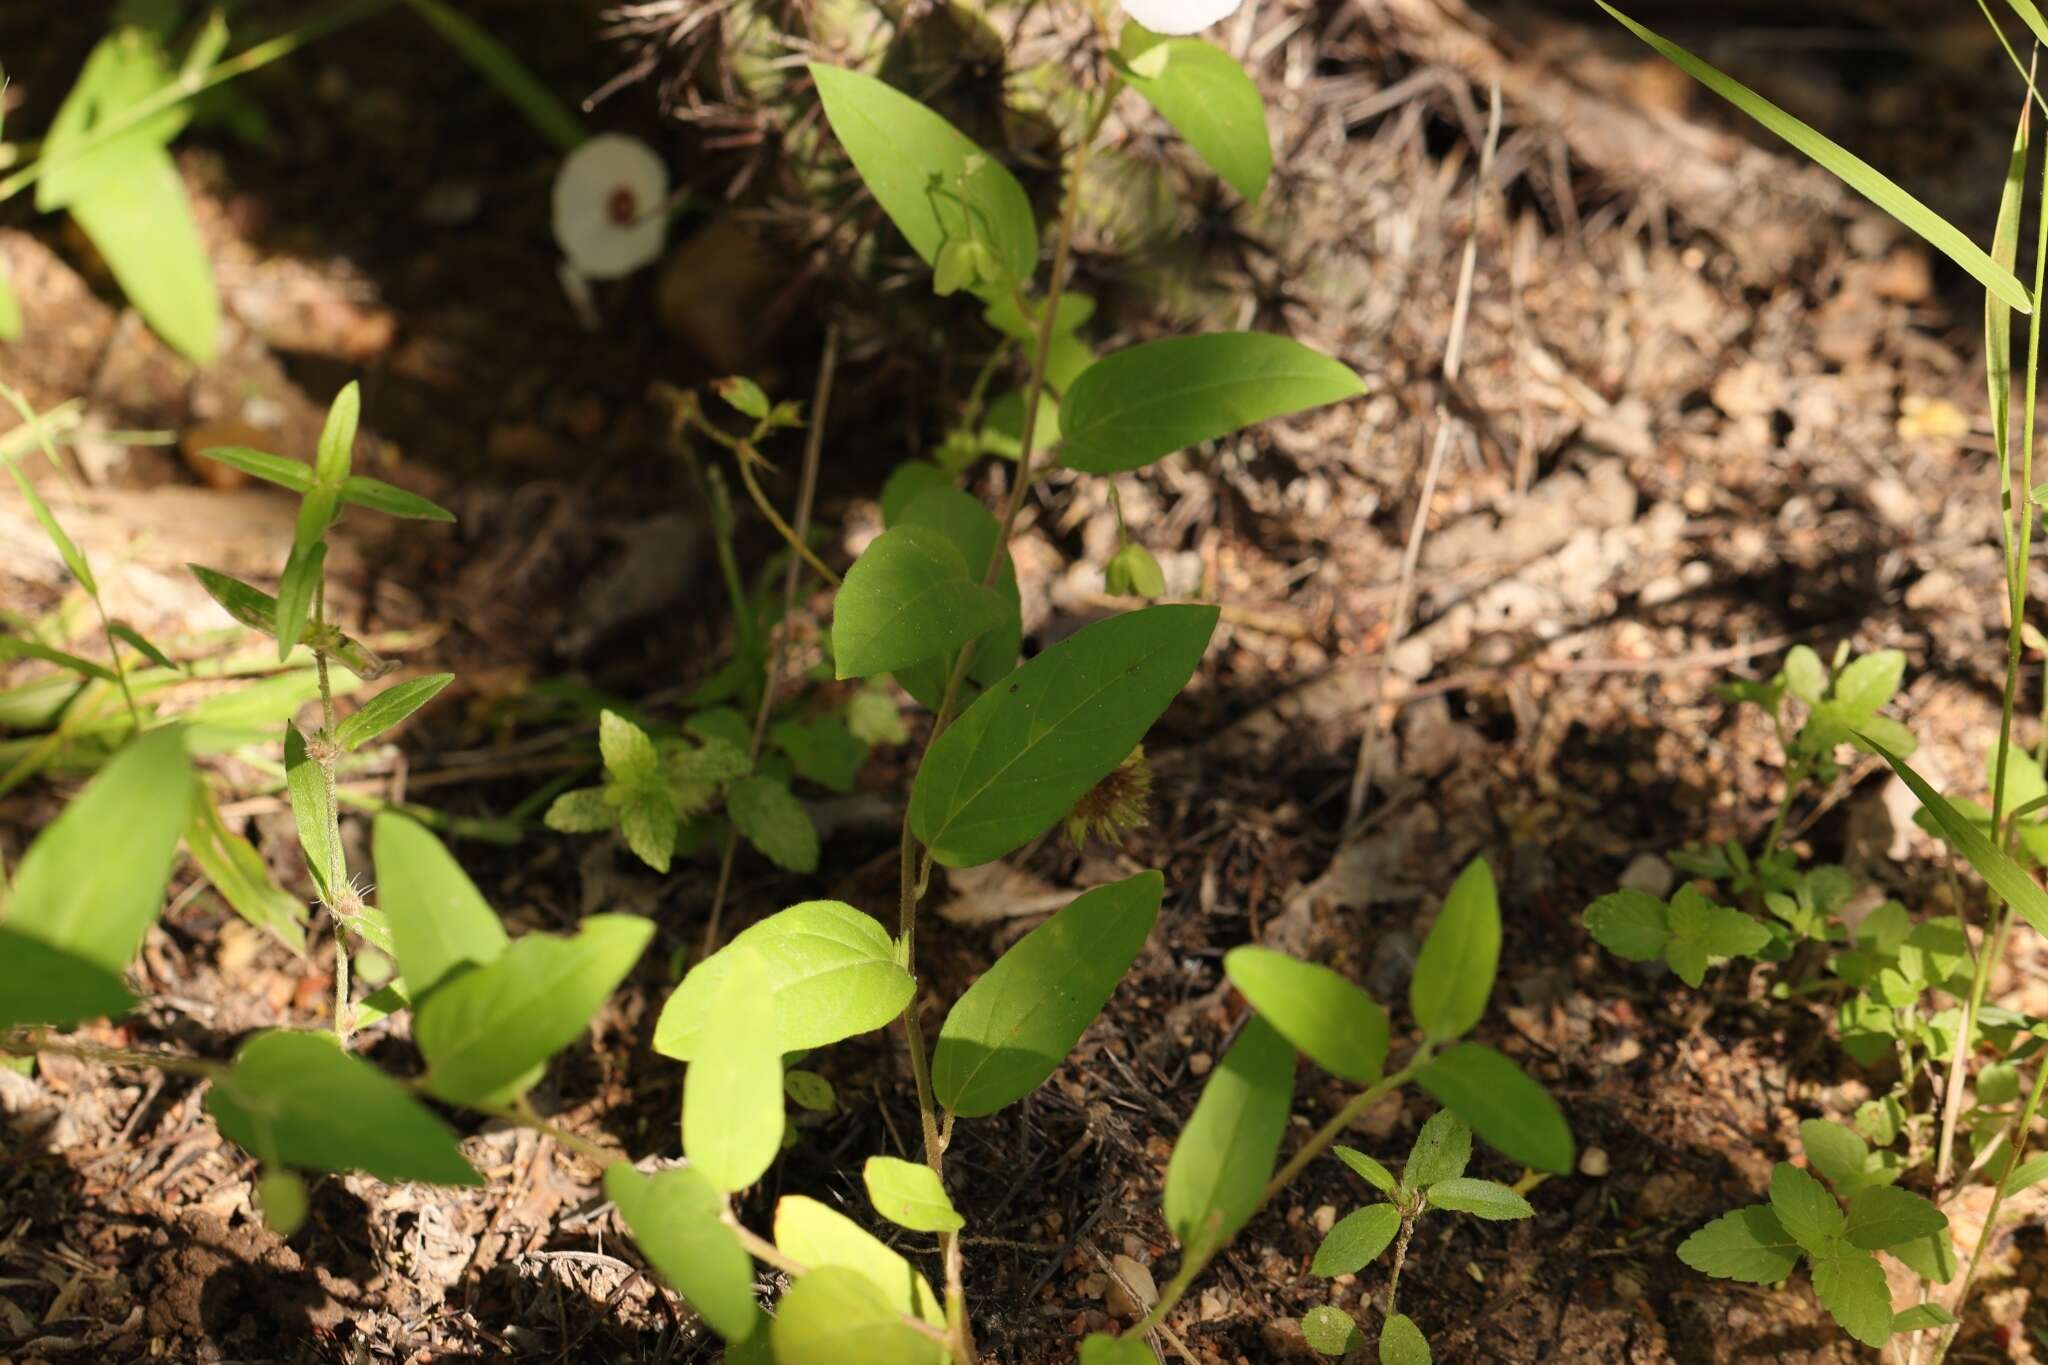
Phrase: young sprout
(610, 204)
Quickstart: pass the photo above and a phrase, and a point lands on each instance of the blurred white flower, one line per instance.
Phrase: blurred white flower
(611, 206)
(1180, 16)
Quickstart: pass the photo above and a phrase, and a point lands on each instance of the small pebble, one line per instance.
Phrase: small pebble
(1593, 1162)
(1326, 1217)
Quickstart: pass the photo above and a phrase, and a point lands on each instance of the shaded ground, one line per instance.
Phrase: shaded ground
(1689, 431)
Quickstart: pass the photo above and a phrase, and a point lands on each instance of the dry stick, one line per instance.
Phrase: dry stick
(1411, 558)
(807, 488)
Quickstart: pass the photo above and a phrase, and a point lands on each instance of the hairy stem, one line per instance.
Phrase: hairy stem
(339, 899)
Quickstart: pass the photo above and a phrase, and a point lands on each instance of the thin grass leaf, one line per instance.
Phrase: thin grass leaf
(133, 638)
(12, 647)
(261, 464)
(2031, 17)
(73, 558)
(2000, 872)
(520, 87)
(1844, 165)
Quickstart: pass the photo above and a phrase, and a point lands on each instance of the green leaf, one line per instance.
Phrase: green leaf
(1225, 1154)
(312, 813)
(12, 647)
(484, 1029)
(774, 822)
(257, 610)
(1100, 1348)
(392, 501)
(1806, 1209)
(1010, 1029)
(1133, 572)
(1503, 1105)
(1402, 1342)
(388, 708)
(832, 968)
(1999, 871)
(839, 1315)
(1209, 100)
(1871, 680)
(647, 819)
(823, 749)
(1329, 1330)
(40, 984)
(977, 535)
(240, 875)
(10, 311)
(93, 881)
(1845, 166)
(1015, 761)
(1454, 972)
(629, 755)
(934, 183)
(675, 1219)
(440, 922)
(1629, 924)
(1883, 1216)
(583, 811)
(907, 598)
(132, 637)
(261, 464)
(1837, 1152)
(1146, 401)
(1702, 931)
(1365, 1168)
(67, 549)
(1749, 1244)
(873, 718)
(813, 1235)
(809, 1090)
(338, 437)
(1932, 1257)
(496, 63)
(1356, 1240)
(909, 1194)
(296, 1099)
(1340, 1027)
(1441, 1152)
(302, 571)
(2027, 1176)
(1487, 1199)
(141, 223)
(906, 482)
(732, 1093)
(1920, 1317)
(1851, 1286)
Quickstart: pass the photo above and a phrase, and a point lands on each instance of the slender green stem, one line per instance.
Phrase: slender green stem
(189, 84)
(746, 461)
(2018, 1145)
(340, 900)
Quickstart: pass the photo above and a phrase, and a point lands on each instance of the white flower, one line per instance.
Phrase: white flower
(1180, 16)
(611, 206)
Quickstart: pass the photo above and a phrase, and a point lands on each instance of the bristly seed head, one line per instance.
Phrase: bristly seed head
(351, 898)
(1114, 806)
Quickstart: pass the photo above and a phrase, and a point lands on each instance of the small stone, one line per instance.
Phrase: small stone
(1593, 1162)
(1325, 1217)
(1649, 874)
(1131, 1291)
(1199, 1064)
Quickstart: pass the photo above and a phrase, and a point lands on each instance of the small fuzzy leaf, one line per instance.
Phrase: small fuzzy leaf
(1454, 972)
(1851, 1286)
(1630, 924)
(1487, 1199)
(1365, 1168)
(1884, 1216)
(1330, 1331)
(1442, 1150)
(1805, 1208)
(584, 811)
(1356, 1240)
(1402, 1342)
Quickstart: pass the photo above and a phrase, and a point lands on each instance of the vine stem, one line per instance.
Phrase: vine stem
(1199, 1257)
(807, 489)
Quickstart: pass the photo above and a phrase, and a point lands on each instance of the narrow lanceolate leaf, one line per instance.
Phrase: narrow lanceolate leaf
(1922, 1316)
(312, 812)
(2027, 1176)
(1146, 401)
(54, 986)
(1844, 165)
(1998, 870)
(1851, 1286)
(1402, 1342)
(935, 184)
(391, 500)
(12, 647)
(839, 1315)
(1805, 1208)
(674, 1217)
(141, 223)
(338, 437)
(1356, 1240)
(240, 875)
(1503, 1105)
(1225, 1154)
(732, 1093)
(1363, 1166)
(92, 882)
(302, 572)
(130, 636)
(1454, 972)
(492, 1027)
(1885, 1215)
(910, 1195)
(257, 610)
(440, 922)
(1207, 97)
(296, 1099)
(1017, 760)
(1749, 1244)
(261, 464)
(907, 598)
(832, 969)
(1018, 1022)
(1340, 1027)
(388, 708)
(816, 1236)
(1482, 1198)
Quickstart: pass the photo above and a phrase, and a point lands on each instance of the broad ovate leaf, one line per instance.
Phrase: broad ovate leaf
(1021, 1018)
(1017, 760)
(910, 1195)
(1454, 971)
(1338, 1025)
(732, 1093)
(817, 1236)
(439, 920)
(908, 597)
(675, 1218)
(1208, 98)
(1356, 1240)
(1502, 1104)
(1225, 1154)
(839, 1315)
(1146, 401)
